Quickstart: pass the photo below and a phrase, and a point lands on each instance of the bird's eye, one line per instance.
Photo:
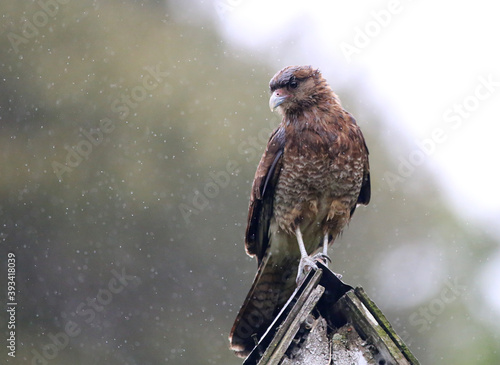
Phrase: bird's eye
(293, 84)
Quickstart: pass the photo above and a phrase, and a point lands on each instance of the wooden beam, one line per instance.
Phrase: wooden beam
(326, 321)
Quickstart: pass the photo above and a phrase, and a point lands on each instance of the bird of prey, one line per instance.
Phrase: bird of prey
(310, 179)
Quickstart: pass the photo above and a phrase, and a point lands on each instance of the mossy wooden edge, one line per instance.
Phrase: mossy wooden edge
(369, 328)
(382, 320)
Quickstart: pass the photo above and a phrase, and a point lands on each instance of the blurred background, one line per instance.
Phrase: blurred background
(130, 134)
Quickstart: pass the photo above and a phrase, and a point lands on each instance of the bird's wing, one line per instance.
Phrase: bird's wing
(262, 195)
(365, 191)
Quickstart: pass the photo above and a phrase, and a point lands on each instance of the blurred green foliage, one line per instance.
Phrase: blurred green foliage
(161, 188)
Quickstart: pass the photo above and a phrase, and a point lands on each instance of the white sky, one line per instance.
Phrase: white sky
(421, 62)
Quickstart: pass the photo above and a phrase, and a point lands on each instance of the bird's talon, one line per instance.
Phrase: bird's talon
(305, 265)
(324, 259)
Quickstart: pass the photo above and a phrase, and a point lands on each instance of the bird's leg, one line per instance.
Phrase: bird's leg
(305, 259)
(323, 256)
(325, 245)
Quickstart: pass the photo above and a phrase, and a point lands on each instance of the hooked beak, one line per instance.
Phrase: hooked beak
(277, 98)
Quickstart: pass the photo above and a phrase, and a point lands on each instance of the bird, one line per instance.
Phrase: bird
(312, 176)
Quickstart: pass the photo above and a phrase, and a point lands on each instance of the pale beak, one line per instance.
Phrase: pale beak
(277, 98)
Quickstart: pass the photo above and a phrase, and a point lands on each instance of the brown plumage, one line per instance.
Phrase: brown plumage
(309, 181)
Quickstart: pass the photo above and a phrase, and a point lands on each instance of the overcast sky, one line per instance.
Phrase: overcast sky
(434, 66)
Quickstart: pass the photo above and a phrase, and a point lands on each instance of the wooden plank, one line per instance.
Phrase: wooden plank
(312, 346)
(382, 320)
(292, 330)
(370, 329)
(346, 327)
(289, 325)
(311, 280)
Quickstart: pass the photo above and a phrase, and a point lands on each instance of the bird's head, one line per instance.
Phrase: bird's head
(298, 88)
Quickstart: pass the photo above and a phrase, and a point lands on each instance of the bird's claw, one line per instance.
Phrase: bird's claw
(305, 265)
(324, 259)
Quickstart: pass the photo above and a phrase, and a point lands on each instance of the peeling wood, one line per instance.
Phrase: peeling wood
(328, 322)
